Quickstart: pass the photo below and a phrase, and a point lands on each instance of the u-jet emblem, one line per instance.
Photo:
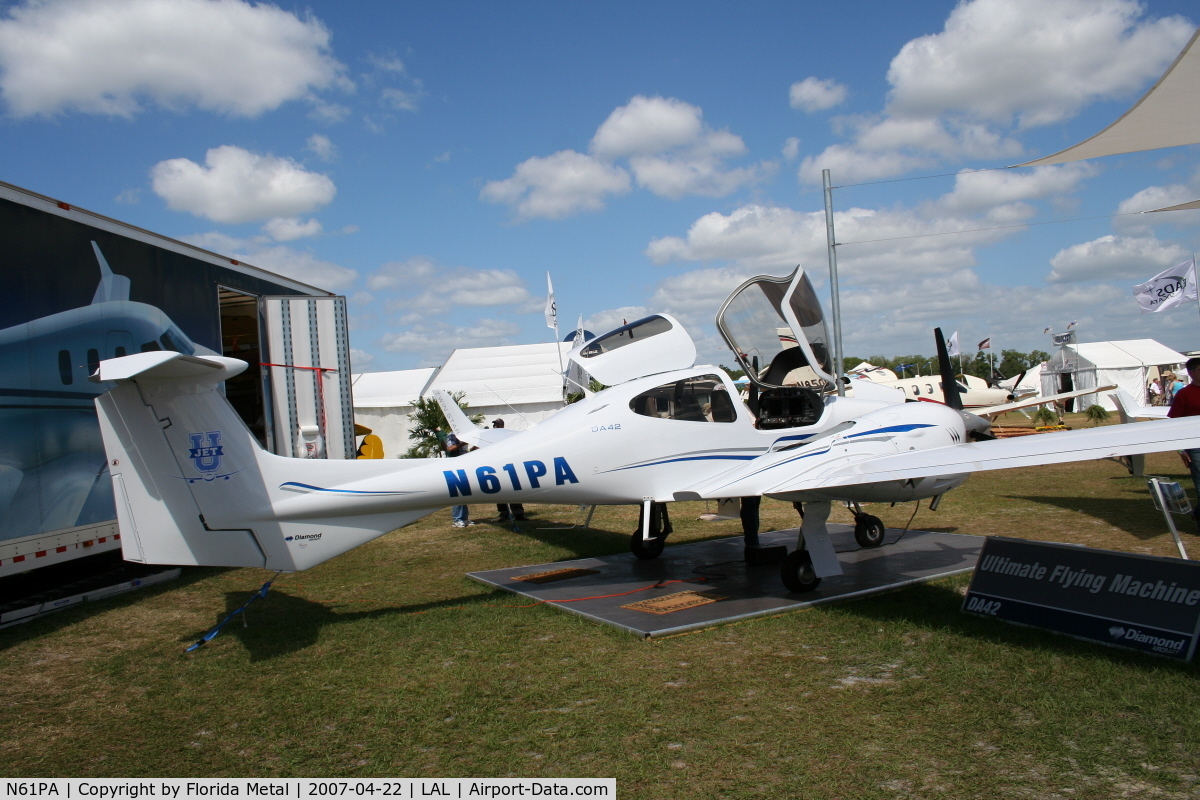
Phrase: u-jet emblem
(206, 457)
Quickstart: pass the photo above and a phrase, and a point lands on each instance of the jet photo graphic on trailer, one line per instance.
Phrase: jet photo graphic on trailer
(193, 486)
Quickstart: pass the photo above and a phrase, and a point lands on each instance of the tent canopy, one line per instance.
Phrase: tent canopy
(1167, 116)
(511, 375)
(390, 389)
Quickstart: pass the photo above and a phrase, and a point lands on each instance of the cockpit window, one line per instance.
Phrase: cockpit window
(703, 398)
(627, 334)
(753, 324)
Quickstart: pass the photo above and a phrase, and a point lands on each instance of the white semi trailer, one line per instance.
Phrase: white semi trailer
(78, 288)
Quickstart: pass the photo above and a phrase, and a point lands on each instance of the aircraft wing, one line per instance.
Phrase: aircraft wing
(463, 428)
(1025, 451)
(991, 411)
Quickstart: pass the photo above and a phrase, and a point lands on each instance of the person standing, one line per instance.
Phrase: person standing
(455, 448)
(1186, 403)
(508, 511)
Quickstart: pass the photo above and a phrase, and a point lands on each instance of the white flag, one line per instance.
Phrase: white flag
(952, 346)
(551, 308)
(1168, 289)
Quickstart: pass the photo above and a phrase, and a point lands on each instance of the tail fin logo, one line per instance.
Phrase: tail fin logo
(206, 457)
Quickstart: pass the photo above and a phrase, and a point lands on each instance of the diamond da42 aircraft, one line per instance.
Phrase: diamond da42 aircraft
(193, 486)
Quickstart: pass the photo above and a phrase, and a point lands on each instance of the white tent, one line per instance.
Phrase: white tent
(1130, 364)
(383, 401)
(521, 384)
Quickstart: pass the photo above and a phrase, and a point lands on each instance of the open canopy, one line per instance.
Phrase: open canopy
(760, 322)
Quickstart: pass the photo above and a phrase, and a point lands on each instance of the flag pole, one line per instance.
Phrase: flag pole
(552, 322)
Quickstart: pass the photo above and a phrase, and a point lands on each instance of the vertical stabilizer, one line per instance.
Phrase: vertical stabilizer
(112, 286)
(193, 486)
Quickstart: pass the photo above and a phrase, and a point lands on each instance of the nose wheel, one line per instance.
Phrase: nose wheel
(660, 529)
(868, 530)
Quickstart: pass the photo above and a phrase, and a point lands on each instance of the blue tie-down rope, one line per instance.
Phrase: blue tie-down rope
(208, 637)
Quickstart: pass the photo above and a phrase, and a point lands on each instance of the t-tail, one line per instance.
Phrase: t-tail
(192, 485)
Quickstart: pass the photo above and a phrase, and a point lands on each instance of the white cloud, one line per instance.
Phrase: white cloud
(999, 67)
(849, 163)
(885, 246)
(286, 229)
(236, 186)
(647, 125)
(1040, 61)
(669, 151)
(977, 191)
(791, 148)
(430, 289)
(438, 340)
(1109, 257)
(113, 56)
(1153, 197)
(558, 186)
(360, 359)
(322, 147)
(300, 265)
(814, 94)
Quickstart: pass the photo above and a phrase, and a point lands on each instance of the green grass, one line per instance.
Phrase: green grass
(388, 662)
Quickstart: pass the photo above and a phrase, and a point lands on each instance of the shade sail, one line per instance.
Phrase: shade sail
(1167, 116)
(1180, 207)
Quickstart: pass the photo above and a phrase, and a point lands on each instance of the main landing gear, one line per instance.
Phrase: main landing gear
(797, 572)
(660, 529)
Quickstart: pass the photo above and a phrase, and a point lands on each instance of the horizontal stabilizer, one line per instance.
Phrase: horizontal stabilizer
(1132, 409)
(463, 428)
(168, 365)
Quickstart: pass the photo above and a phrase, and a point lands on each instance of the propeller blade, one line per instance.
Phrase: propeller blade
(949, 385)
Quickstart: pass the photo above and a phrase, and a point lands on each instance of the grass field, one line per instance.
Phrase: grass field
(389, 662)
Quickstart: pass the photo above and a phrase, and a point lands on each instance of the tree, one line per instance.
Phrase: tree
(427, 419)
(733, 373)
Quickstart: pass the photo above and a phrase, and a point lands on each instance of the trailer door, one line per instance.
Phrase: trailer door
(306, 377)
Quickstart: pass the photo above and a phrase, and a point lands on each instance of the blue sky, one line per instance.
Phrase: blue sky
(432, 161)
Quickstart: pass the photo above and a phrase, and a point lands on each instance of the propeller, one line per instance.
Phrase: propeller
(978, 428)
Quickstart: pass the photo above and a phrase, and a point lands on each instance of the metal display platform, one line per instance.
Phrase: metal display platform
(705, 584)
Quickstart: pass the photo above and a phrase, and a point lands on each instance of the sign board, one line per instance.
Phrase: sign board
(1145, 603)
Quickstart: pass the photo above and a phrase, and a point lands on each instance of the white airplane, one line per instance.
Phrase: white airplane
(52, 460)
(194, 487)
(975, 391)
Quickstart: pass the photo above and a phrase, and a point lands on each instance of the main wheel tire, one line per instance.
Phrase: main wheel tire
(869, 531)
(797, 572)
(646, 549)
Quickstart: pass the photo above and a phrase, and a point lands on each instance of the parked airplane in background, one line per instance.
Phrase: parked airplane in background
(974, 391)
(47, 405)
(194, 487)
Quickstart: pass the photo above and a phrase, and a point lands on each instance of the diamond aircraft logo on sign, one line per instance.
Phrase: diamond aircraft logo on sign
(1117, 632)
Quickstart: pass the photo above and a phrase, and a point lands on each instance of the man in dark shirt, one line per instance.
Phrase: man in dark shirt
(1186, 403)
